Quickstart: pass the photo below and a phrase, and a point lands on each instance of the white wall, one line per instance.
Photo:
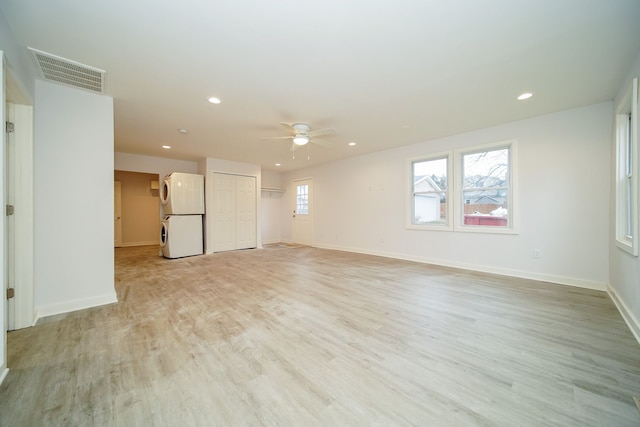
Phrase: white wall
(73, 194)
(149, 164)
(272, 205)
(625, 268)
(17, 59)
(563, 179)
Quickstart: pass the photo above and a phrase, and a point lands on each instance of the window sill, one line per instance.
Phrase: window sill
(627, 246)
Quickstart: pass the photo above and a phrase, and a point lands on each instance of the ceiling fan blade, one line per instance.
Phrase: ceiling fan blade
(321, 132)
(325, 144)
(278, 137)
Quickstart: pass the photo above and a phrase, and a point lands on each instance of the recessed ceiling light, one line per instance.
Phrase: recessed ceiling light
(405, 126)
(524, 96)
(278, 164)
(183, 131)
(351, 144)
(166, 147)
(214, 100)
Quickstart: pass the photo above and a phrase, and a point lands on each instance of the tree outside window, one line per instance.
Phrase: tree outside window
(486, 187)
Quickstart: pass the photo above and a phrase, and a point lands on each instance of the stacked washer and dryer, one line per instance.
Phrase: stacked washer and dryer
(182, 198)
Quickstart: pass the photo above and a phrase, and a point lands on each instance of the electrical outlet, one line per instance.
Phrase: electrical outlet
(537, 253)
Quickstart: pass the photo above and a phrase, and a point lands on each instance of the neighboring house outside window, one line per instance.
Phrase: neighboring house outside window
(429, 201)
(486, 187)
(429, 207)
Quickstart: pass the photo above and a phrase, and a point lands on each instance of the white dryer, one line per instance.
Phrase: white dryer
(181, 236)
(182, 194)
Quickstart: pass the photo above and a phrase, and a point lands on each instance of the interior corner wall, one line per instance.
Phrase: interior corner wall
(73, 195)
(17, 59)
(563, 186)
(272, 205)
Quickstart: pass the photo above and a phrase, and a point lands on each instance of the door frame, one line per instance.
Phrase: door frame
(21, 114)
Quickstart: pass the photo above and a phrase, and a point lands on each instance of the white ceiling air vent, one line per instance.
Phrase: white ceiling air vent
(67, 72)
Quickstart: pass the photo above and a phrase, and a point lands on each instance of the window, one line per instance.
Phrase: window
(627, 172)
(478, 187)
(302, 199)
(429, 192)
(486, 187)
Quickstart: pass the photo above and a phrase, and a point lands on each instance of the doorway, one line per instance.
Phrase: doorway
(302, 218)
(136, 208)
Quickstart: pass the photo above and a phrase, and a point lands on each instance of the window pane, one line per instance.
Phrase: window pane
(302, 199)
(486, 188)
(430, 192)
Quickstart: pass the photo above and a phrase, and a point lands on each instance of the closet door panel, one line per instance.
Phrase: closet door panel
(246, 212)
(224, 224)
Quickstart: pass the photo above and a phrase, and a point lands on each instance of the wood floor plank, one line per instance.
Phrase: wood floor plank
(302, 336)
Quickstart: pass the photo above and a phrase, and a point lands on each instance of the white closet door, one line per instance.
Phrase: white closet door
(224, 212)
(234, 212)
(246, 212)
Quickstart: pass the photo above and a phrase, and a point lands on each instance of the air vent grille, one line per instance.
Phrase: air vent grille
(67, 72)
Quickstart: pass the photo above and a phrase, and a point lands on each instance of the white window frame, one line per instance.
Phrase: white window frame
(448, 226)
(512, 192)
(627, 159)
(455, 200)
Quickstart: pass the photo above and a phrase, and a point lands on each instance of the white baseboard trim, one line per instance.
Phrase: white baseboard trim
(626, 314)
(79, 304)
(569, 281)
(3, 375)
(150, 243)
(270, 242)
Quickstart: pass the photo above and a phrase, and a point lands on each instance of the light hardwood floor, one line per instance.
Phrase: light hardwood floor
(298, 336)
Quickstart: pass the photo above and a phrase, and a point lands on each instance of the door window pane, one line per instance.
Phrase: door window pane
(302, 199)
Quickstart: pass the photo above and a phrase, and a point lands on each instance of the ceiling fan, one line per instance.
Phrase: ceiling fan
(302, 134)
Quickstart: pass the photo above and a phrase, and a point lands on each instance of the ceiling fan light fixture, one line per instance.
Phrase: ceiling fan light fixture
(300, 140)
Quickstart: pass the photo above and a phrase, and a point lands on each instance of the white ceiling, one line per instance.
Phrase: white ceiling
(382, 73)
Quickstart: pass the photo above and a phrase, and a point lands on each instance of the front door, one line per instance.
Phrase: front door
(302, 215)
